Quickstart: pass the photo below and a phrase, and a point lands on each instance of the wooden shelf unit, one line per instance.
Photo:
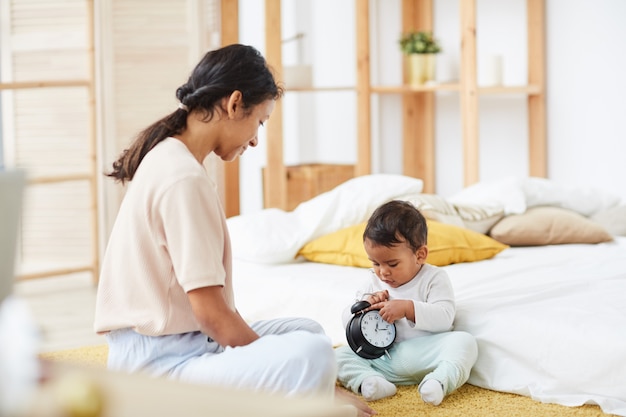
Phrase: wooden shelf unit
(286, 186)
(92, 265)
(419, 104)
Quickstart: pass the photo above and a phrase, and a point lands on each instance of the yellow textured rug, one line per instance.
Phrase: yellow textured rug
(468, 401)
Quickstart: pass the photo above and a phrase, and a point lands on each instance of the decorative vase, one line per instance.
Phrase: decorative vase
(298, 76)
(430, 67)
(421, 68)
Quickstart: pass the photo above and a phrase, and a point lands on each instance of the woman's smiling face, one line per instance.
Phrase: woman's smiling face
(243, 130)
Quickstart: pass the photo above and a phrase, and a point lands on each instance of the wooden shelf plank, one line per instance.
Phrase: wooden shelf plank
(275, 182)
(513, 89)
(55, 272)
(52, 179)
(537, 141)
(469, 94)
(364, 96)
(418, 156)
(229, 33)
(319, 89)
(21, 85)
(408, 89)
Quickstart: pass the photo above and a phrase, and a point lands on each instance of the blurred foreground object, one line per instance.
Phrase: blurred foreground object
(71, 390)
(19, 335)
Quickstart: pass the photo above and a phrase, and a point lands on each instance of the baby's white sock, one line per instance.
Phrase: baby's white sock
(431, 391)
(376, 387)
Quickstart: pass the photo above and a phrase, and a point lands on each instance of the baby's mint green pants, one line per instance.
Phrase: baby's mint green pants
(447, 357)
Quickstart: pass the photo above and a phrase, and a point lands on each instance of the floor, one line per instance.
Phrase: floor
(63, 310)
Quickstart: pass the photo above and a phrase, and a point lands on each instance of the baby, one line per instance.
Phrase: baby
(419, 299)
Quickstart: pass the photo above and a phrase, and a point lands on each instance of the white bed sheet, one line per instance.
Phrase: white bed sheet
(550, 321)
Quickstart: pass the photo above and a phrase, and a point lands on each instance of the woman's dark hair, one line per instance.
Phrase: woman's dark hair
(395, 222)
(217, 75)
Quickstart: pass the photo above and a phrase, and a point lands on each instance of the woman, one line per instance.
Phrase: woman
(165, 298)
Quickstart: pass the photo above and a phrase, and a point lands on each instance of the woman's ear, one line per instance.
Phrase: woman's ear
(234, 103)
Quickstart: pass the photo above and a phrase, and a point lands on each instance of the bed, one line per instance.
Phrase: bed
(538, 269)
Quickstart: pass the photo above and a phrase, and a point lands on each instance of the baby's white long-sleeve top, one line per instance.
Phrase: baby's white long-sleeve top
(433, 301)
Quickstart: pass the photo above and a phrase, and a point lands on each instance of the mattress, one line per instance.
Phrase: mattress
(550, 321)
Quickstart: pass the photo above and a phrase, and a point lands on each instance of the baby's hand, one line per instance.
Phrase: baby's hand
(392, 310)
(378, 297)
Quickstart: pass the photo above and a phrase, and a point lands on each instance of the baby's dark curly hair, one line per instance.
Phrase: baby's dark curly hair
(397, 221)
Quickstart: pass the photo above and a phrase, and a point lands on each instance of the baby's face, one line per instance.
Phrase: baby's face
(395, 265)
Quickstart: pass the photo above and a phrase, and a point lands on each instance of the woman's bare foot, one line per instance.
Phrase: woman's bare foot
(344, 396)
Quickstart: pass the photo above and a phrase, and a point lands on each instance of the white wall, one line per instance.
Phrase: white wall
(318, 127)
(586, 91)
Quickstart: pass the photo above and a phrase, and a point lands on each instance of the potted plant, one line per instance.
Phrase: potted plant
(420, 48)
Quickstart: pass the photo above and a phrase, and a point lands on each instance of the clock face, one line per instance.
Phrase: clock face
(376, 330)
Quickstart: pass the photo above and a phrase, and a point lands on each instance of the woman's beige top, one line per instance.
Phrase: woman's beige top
(170, 237)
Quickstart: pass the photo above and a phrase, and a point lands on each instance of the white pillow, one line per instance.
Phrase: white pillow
(274, 236)
(507, 193)
(612, 219)
(585, 200)
(516, 194)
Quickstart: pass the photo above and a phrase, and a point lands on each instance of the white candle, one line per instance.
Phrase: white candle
(493, 71)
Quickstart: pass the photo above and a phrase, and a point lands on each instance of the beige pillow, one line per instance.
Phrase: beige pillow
(474, 217)
(479, 218)
(548, 226)
(435, 208)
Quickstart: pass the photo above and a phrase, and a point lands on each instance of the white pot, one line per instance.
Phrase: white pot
(298, 76)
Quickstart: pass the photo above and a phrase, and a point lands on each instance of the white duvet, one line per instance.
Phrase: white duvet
(550, 321)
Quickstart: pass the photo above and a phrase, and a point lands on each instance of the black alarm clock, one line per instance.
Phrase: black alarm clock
(368, 334)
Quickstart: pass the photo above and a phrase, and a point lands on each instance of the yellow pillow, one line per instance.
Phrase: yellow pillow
(447, 244)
